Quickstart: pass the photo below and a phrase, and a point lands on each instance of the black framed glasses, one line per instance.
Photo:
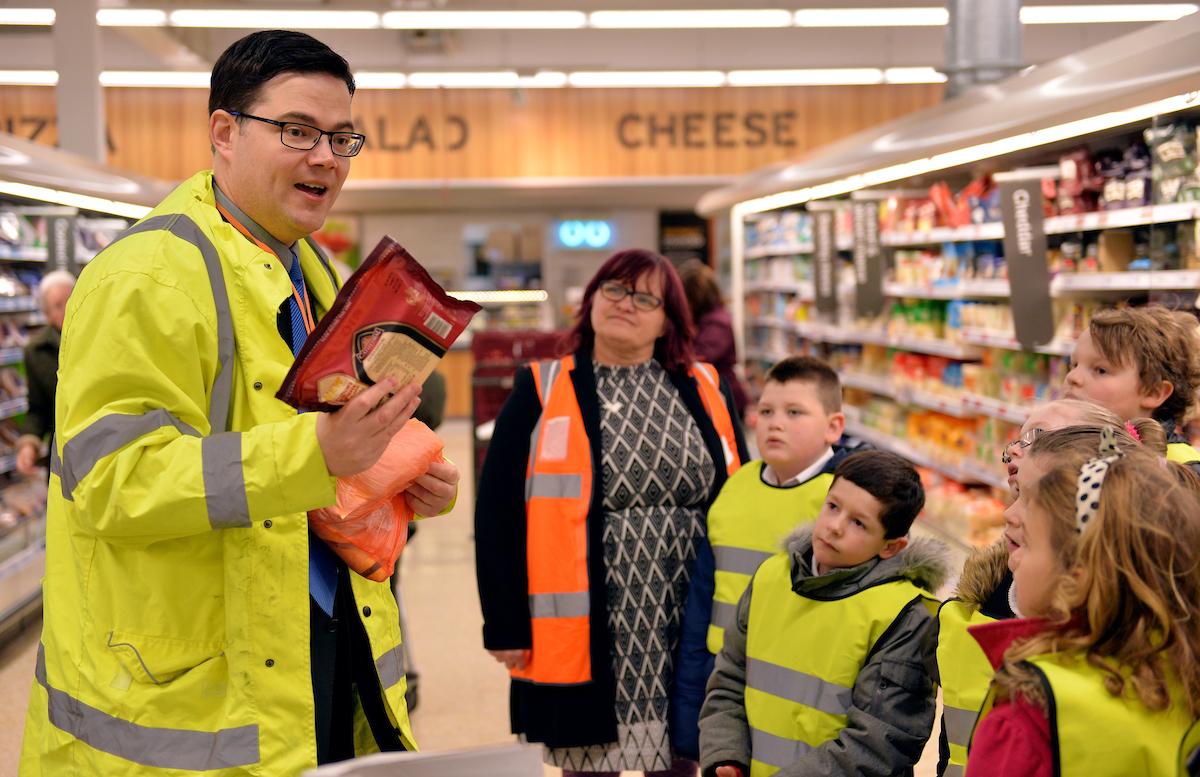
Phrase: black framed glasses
(1021, 443)
(615, 291)
(305, 137)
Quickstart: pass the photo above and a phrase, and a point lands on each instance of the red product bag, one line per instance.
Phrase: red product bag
(368, 525)
(389, 320)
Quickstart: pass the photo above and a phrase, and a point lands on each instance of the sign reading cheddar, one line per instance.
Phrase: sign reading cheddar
(496, 133)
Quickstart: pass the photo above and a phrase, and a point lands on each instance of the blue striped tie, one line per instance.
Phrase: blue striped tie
(322, 569)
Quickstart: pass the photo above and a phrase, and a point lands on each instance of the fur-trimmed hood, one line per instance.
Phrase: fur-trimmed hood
(983, 573)
(925, 563)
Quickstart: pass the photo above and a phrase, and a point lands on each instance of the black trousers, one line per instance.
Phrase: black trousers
(343, 670)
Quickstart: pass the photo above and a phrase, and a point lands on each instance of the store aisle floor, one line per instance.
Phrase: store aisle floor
(463, 692)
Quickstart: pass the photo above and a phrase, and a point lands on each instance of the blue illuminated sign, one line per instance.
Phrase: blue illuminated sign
(585, 234)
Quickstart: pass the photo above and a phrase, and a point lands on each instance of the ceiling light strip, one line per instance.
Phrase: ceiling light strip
(872, 17)
(949, 159)
(690, 19)
(30, 17)
(272, 20)
(83, 201)
(484, 20)
(616, 79)
(1106, 14)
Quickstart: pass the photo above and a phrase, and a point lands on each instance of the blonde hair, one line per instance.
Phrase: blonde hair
(1081, 441)
(1129, 592)
(1162, 344)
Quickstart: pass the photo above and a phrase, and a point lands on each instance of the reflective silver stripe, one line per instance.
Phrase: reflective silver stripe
(225, 481)
(724, 615)
(547, 370)
(390, 667)
(571, 605)
(107, 436)
(700, 368)
(742, 561)
(798, 687)
(185, 229)
(554, 486)
(776, 750)
(959, 724)
(953, 770)
(162, 748)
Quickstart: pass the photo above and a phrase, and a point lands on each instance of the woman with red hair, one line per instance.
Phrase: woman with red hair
(590, 509)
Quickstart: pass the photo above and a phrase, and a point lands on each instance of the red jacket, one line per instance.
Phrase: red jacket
(1014, 739)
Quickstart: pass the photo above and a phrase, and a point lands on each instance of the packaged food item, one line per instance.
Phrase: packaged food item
(389, 320)
(368, 525)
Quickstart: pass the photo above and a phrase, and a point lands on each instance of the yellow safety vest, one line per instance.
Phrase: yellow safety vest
(802, 659)
(966, 675)
(1189, 752)
(747, 524)
(1096, 734)
(176, 632)
(1182, 453)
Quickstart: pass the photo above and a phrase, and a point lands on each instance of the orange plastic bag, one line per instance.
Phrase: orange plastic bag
(368, 525)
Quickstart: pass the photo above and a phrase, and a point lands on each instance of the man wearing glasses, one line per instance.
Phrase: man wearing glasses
(192, 623)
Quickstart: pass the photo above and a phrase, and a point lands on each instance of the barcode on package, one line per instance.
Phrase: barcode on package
(438, 325)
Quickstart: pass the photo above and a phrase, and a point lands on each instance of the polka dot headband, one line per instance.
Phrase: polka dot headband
(1091, 478)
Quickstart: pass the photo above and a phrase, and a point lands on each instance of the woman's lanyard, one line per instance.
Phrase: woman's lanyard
(300, 295)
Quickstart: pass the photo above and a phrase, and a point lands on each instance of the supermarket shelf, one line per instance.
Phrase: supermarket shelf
(8, 463)
(829, 334)
(17, 304)
(976, 404)
(984, 338)
(783, 249)
(787, 287)
(936, 402)
(12, 355)
(876, 384)
(12, 407)
(968, 289)
(941, 532)
(766, 354)
(1148, 280)
(945, 348)
(987, 477)
(898, 446)
(768, 321)
(24, 253)
(1055, 225)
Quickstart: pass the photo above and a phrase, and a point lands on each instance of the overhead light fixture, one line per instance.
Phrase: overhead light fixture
(31, 17)
(546, 79)
(131, 17)
(466, 80)
(913, 75)
(185, 79)
(273, 20)
(380, 80)
(807, 77)
(872, 17)
(969, 154)
(693, 19)
(28, 77)
(1101, 14)
(484, 20)
(86, 202)
(618, 79)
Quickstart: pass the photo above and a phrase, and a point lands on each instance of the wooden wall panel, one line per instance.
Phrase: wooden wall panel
(454, 134)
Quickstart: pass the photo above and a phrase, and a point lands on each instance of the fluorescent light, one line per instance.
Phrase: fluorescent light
(546, 79)
(913, 75)
(131, 17)
(671, 20)
(872, 17)
(637, 78)
(502, 296)
(273, 20)
(481, 80)
(962, 156)
(484, 20)
(40, 17)
(187, 79)
(1099, 14)
(28, 77)
(83, 201)
(379, 80)
(808, 77)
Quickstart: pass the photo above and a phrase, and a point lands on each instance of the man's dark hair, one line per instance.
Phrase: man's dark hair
(250, 62)
(810, 369)
(891, 480)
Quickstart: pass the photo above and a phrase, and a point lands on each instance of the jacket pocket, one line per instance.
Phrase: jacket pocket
(160, 660)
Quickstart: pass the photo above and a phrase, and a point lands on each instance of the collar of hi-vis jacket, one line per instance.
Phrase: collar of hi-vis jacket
(997, 637)
(924, 563)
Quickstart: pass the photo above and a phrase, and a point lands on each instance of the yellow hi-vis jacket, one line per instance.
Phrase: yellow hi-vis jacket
(176, 632)
(966, 674)
(1096, 734)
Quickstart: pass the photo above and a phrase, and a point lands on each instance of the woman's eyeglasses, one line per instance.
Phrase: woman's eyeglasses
(1023, 442)
(615, 291)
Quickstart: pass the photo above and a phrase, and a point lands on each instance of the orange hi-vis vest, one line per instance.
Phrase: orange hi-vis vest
(558, 493)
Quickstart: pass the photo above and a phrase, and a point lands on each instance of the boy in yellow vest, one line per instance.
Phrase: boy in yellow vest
(825, 670)
(799, 421)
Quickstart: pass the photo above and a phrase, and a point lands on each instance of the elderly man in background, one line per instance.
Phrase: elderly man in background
(41, 370)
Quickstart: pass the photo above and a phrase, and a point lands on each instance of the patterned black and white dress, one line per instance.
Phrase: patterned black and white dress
(657, 473)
